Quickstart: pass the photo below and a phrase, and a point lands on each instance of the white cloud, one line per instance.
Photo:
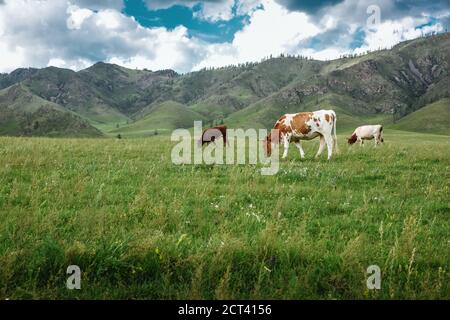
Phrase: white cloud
(272, 30)
(329, 22)
(244, 7)
(77, 17)
(216, 10)
(210, 10)
(11, 57)
(325, 54)
(389, 33)
(73, 64)
(59, 33)
(173, 50)
(109, 19)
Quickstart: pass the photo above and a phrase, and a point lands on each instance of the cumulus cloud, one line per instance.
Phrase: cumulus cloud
(60, 33)
(389, 33)
(77, 16)
(259, 38)
(244, 7)
(216, 10)
(347, 24)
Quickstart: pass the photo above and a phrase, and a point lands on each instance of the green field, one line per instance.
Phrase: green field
(164, 118)
(140, 227)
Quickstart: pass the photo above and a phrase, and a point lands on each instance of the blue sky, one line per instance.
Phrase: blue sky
(187, 35)
(211, 31)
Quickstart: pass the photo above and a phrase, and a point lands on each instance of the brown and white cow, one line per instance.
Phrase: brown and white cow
(304, 126)
(212, 134)
(368, 132)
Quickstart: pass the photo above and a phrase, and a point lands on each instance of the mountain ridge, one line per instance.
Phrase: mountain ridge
(394, 82)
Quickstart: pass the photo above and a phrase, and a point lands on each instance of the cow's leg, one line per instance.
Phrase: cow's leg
(299, 146)
(226, 143)
(286, 146)
(321, 147)
(329, 142)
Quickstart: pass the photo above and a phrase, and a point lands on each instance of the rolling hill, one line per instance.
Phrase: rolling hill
(386, 85)
(433, 118)
(24, 114)
(168, 115)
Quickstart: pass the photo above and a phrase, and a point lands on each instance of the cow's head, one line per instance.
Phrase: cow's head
(352, 139)
(209, 135)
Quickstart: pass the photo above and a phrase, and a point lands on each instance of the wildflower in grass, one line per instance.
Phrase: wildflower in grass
(182, 237)
(257, 217)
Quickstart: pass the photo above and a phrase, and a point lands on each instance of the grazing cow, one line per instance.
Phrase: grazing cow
(212, 134)
(305, 126)
(367, 133)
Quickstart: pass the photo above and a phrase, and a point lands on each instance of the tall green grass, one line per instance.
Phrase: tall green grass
(141, 227)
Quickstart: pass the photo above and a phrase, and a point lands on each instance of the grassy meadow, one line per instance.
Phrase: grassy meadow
(140, 227)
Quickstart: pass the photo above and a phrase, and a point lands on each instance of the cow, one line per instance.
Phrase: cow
(367, 133)
(212, 134)
(304, 126)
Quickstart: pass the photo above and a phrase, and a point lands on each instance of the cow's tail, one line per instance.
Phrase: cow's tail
(335, 143)
(380, 135)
